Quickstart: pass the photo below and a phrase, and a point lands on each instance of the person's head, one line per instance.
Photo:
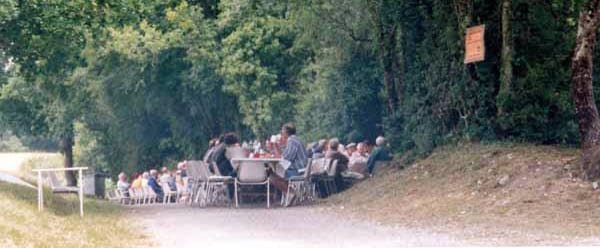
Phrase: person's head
(361, 148)
(334, 144)
(146, 175)
(231, 139)
(288, 130)
(350, 148)
(164, 170)
(154, 173)
(182, 165)
(122, 177)
(380, 141)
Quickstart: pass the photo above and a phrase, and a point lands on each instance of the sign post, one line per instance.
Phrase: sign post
(475, 44)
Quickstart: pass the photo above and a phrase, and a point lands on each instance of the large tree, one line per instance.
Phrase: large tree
(582, 88)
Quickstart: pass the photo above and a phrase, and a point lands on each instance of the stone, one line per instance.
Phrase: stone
(503, 181)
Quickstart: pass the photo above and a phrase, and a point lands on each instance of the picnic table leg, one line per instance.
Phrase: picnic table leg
(80, 193)
(40, 192)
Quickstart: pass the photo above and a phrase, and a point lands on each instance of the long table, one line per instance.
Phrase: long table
(272, 162)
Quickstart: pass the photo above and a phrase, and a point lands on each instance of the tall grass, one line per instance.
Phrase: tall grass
(59, 225)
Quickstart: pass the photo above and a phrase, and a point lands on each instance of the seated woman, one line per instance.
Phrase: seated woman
(123, 185)
(137, 182)
(358, 160)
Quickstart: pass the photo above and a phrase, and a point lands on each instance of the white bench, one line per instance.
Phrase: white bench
(56, 187)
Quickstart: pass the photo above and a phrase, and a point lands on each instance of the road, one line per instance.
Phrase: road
(295, 227)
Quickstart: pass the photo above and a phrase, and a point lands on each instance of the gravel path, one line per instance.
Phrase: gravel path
(183, 226)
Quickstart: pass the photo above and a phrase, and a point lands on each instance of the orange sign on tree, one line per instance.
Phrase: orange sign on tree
(475, 44)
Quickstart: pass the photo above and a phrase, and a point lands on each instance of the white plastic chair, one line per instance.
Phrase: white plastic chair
(319, 170)
(168, 194)
(151, 194)
(300, 187)
(183, 191)
(135, 196)
(117, 196)
(329, 180)
(252, 173)
(206, 188)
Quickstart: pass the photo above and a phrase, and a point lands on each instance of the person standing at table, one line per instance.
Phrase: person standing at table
(294, 156)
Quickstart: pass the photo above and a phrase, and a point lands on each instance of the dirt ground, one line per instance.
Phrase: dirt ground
(501, 194)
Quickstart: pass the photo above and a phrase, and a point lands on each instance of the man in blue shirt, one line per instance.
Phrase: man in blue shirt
(153, 183)
(294, 153)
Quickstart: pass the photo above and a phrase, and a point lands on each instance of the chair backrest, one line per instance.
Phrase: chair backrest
(308, 168)
(235, 152)
(53, 180)
(332, 168)
(199, 169)
(165, 187)
(132, 193)
(252, 172)
(191, 171)
(114, 193)
(320, 166)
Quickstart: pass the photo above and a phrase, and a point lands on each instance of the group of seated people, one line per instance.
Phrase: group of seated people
(359, 158)
(174, 179)
(354, 160)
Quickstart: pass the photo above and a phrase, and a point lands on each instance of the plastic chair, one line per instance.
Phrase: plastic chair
(252, 173)
(300, 187)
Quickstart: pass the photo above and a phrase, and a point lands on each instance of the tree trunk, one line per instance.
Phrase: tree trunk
(506, 70)
(582, 89)
(387, 29)
(389, 60)
(66, 143)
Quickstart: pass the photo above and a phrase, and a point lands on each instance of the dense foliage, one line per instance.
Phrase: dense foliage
(137, 84)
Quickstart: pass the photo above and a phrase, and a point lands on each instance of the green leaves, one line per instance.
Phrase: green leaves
(259, 67)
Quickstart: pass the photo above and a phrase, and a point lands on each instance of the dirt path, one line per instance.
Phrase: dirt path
(183, 226)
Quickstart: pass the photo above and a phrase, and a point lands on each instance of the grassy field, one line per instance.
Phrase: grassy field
(59, 225)
(15, 162)
(483, 192)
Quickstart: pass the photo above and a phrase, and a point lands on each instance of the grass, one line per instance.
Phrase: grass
(59, 225)
(456, 188)
(40, 161)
